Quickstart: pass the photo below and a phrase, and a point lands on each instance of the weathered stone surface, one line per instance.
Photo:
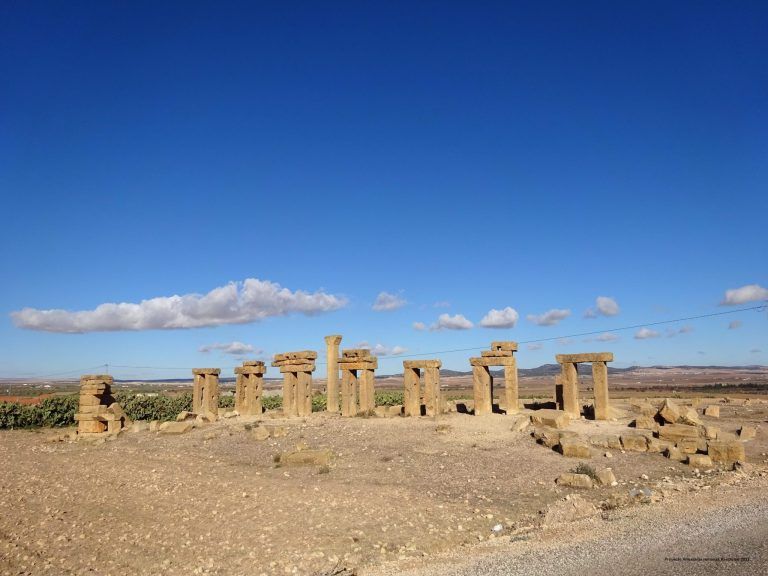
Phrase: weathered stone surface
(747, 432)
(260, 433)
(547, 437)
(321, 457)
(645, 423)
(655, 445)
(204, 371)
(674, 453)
(584, 357)
(699, 461)
(574, 448)
(183, 415)
(726, 451)
(569, 509)
(176, 427)
(493, 361)
(154, 425)
(606, 441)
(713, 411)
(422, 363)
(688, 445)
(139, 426)
(574, 480)
(605, 477)
(520, 423)
(669, 411)
(647, 409)
(711, 432)
(676, 432)
(504, 345)
(690, 417)
(396, 410)
(496, 353)
(557, 419)
(634, 442)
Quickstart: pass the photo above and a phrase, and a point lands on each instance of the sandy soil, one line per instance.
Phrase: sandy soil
(398, 491)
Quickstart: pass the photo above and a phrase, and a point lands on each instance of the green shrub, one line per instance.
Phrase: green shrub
(389, 398)
(226, 401)
(58, 411)
(160, 407)
(583, 468)
(272, 402)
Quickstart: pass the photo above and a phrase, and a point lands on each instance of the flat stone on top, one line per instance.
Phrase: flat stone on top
(585, 357)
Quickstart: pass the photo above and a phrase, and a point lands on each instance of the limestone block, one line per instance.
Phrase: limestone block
(493, 361)
(260, 433)
(674, 453)
(183, 415)
(176, 427)
(747, 432)
(726, 436)
(574, 480)
(713, 411)
(520, 423)
(253, 363)
(496, 353)
(91, 426)
(293, 366)
(139, 426)
(669, 411)
(585, 357)
(396, 410)
(645, 423)
(371, 364)
(203, 371)
(301, 355)
(509, 345)
(710, 432)
(574, 448)
(605, 477)
(634, 442)
(688, 445)
(356, 353)
(557, 419)
(547, 437)
(306, 458)
(380, 411)
(699, 461)
(647, 409)
(676, 432)
(728, 451)
(606, 441)
(154, 426)
(655, 445)
(422, 364)
(690, 417)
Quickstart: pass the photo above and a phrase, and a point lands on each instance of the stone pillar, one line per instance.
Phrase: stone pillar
(367, 391)
(348, 392)
(411, 403)
(511, 393)
(570, 379)
(483, 390)
(97, 411)
(205, 392)
(432, 395)
(296, 368)
(304, 393)
(600, 383)
(332, 387)
(249, 388)
(357, 381)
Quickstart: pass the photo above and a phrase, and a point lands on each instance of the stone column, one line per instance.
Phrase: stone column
(511, 388)
(349, 392)
(483, 389)
(332, 387)
(304, 393)
(290, 383)
(367, 392)
(570, 379)
(411, 402)
(249, 388)
(433, 397)
(600, 384)
(205, 393)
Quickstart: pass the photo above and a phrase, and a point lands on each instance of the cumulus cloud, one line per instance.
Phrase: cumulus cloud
(535, 346)
(233, 348)
(748, 293)
(505, 318)
(420, 326)
(604, 306)
(549, 318)
(382, 350)
(235, 303)
(734, 324)
(645, 333)
(386, 302)
(448, 322)
(607, 337)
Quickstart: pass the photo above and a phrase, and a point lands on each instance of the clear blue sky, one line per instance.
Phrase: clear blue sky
(462, 157)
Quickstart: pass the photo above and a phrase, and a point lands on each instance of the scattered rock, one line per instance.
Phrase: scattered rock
(699, 461)
(260, 433)
(574, 480)
(139, 426)
(606, 477)
(645, 423)
(669, 411)
(747, 432)
(569, 509)
(574, 448)
(557, 419)
(674, 453)
(726, 451)
(520, 423)
(306, 458)
(690, 417)
(176, 427)
(713, 411)
(634, 442)
(154, 426)
(677, 432)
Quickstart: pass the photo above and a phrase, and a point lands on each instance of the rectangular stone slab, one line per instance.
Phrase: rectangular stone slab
(367, 365)
(585, 357)
(355, 352)
(496, 353)
(303, 354)
(422, 363)
(203, 371)
(504, 345)
(259, 370)
(297, 368)
(495, 361)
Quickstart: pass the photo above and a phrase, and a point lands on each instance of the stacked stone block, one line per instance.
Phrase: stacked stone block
(413, 370)
(205, 392)
(500, 354)
(97, 411)
(296, 368)
(357, 381)
(249, 388)
(568, 400)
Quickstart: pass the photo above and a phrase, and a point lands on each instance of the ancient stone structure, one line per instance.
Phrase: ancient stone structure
(97, 411)
(412, 373)
(249, 387)
(357, 377)
(569, 380)
(332, 357)
(296, 368)
(205, 392)
(500, 354)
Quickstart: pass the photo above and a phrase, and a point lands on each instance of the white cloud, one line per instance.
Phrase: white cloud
(748, 293)
(604, 306)
(536, 346)
(506, 318)
(386, 302)
(447, 322)
(235, 303)
(420, 326)
(549, 318)
(734, 324)
(233, 348)
(382, 350)
(607, 337)
(645, 333)
(565, 341)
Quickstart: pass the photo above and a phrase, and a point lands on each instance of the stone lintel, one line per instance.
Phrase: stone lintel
(496, 353)
(585, 357)
(301, 354)
(504, 345)
(359, 365)
(422, 363)
(493, 361)
(296, 367)
(96, 377)
(356, 353)
(204, 371)
(253, 363)
(258, 370)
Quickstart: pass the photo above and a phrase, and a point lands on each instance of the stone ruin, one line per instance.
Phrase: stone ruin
(412, 377)
(567, 390)
(357, 381)
(500, 354)
(249, 388)
(297, 368)
(205, 392)
(332, 386)
(97, 411)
